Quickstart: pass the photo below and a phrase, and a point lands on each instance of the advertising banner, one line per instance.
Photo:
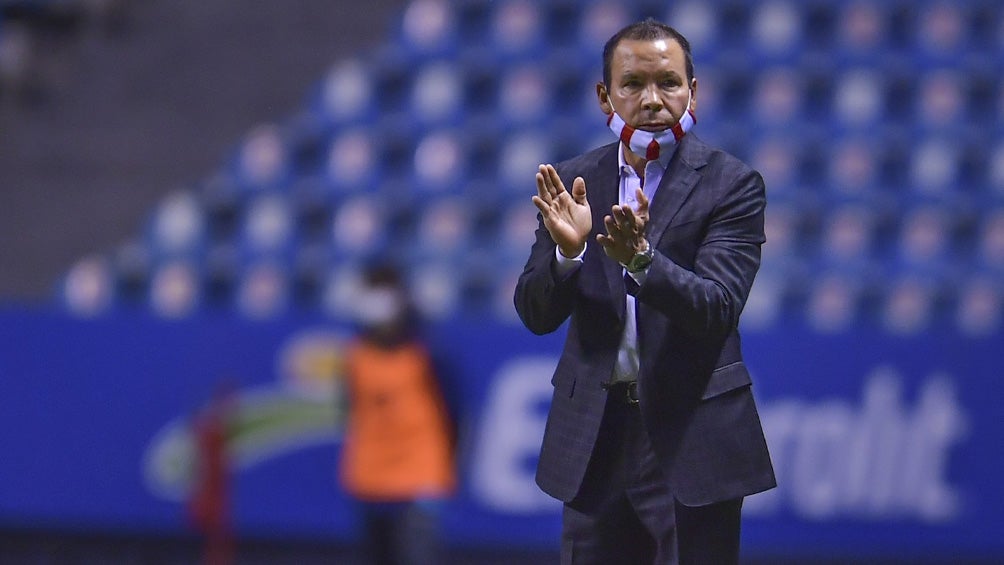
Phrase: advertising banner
(882, 445)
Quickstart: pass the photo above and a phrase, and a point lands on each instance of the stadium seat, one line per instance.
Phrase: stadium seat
(979, 306)
(268, 228)
(428, 29)
(438, 165)
(88, 289)
(834, 302)
(517, 29)
(909, 304)
(346, 94)
(437, 95)
(776, 31)
(175, 289)
(263, 159)
(263, 291)
(178, 226)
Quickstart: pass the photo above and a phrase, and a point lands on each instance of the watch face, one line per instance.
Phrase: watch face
(639, 262)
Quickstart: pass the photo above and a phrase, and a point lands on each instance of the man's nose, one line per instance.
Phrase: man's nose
(652, 101)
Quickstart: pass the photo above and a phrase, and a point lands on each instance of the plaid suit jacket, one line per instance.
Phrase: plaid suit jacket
(706, 225)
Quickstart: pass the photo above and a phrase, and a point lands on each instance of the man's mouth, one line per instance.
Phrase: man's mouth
(653, 126)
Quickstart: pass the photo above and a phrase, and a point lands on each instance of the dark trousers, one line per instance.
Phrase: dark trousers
(625, 512)
(400, 533)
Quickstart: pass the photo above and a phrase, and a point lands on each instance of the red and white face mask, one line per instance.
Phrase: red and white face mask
(650, 143)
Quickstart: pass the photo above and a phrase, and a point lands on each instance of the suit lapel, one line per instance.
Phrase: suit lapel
(603, 188)
(677, 183)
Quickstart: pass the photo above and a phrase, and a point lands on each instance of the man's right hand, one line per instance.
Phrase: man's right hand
(566, 215)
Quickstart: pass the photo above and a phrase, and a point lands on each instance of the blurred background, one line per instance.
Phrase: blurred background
(192, 189)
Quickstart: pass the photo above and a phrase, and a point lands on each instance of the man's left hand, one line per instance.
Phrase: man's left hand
(625, 230)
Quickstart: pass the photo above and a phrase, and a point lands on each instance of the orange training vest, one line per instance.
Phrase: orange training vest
(397, 444)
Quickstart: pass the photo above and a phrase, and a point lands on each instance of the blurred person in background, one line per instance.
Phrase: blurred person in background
(653, 438)
(397, 459)
(210, 507)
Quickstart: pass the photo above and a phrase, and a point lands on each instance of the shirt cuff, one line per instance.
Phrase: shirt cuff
(566, 265)
(640, 276)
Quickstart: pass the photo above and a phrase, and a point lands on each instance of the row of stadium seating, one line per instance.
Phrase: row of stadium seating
(878, 127)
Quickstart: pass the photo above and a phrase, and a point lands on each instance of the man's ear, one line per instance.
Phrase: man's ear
(693, 95)
(604, 98)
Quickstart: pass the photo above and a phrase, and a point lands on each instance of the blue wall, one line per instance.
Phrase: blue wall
(883, 446)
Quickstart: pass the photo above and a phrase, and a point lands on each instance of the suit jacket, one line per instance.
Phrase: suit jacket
(706, 225)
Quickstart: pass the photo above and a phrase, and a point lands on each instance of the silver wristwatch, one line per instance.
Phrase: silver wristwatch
(641, 259)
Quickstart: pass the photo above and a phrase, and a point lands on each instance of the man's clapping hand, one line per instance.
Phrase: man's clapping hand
(566, 215)
(625, 230)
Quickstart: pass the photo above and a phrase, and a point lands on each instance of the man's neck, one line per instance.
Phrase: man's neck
(636, 162)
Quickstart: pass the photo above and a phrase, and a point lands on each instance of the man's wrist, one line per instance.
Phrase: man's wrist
(565, 265)
(640, 260)
(573, 254)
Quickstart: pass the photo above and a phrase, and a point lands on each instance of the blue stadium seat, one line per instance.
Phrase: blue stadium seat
(939, 31)
(941, 102)
(979, 306)
(346, 94)
(862, 32)
(776, 157)
(775, 31)
(437, 95)
(926, 245)
(834, 302)
(525, 95)
(697, 21)
(777, 101)
(515, 233)
(358, 227)
(766, 302)
(439, 163)
(444, 230)
(910, 304)
(428, 29)
(437, 289)
(263, 290)
(340, 289)
(858, 101)
(934, 169)
(268, 228)
(518, 29)
(520, 154)
(599, 19)
(854, 166)
(177, 228)
(263, 159)
(847, 242)
(176, 289)
(88, 288)
(353, 160)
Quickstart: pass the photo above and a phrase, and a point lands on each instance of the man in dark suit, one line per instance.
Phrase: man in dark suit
(653, 438)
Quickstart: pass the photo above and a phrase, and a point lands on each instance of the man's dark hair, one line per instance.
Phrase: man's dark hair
(648, 30)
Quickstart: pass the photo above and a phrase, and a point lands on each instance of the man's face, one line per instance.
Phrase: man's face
(648, 84)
